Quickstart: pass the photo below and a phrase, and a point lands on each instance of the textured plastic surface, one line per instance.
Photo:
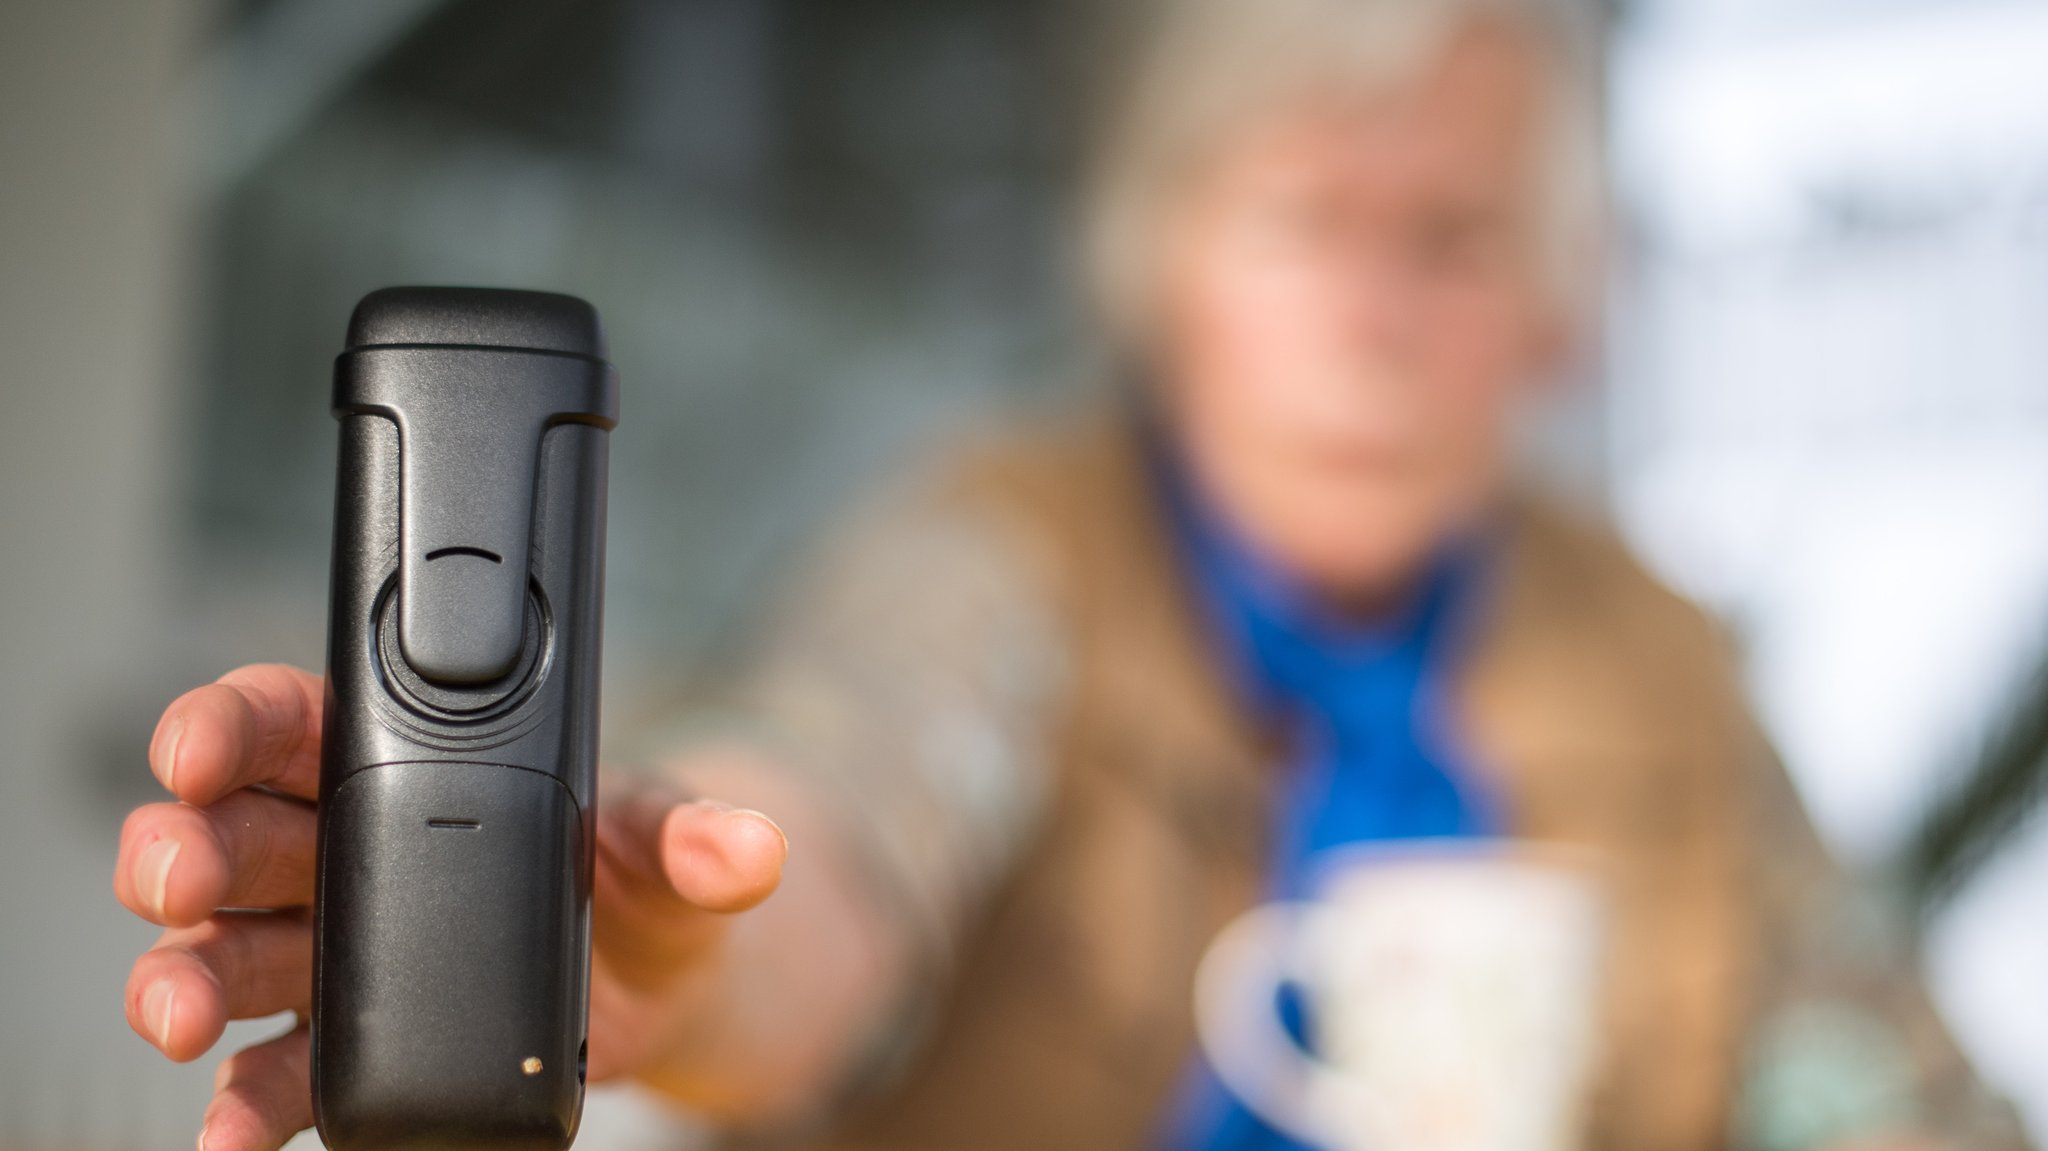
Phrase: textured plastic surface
(459, 752)
(468, 978)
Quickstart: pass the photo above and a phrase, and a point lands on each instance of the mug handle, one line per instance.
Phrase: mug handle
(1237, 1019)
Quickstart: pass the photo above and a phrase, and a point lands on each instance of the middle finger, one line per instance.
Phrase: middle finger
(179, 864)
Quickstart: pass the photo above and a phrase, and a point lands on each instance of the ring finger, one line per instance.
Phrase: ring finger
(182, 992)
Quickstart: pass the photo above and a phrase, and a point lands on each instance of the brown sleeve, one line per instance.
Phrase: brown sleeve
(1760, 998)
(906, 676)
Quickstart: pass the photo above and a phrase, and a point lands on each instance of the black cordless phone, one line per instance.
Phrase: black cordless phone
(458, 772)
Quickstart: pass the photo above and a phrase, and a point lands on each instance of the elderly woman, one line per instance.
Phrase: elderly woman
(1049, 715)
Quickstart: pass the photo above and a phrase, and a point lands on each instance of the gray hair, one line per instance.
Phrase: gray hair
(1209, 64)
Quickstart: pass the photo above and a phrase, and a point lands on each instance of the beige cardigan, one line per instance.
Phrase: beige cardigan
(1609, 713)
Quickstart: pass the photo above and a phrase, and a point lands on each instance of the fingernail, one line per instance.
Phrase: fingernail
(763, 817)
(155, 871)
(156, 1009)
(204, 1129)
(714, 805)
(172, 738)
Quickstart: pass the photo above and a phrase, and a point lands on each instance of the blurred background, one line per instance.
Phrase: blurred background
(825, 232)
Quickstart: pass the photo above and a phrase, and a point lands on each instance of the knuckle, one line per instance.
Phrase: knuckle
(214, 957)
(271, 706)
(138, 824)
(150, 964)
(150, 820)
(246, 830)
(139, 978)
(247, 707)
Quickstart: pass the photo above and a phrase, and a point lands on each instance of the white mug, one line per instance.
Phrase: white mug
(1451, 987)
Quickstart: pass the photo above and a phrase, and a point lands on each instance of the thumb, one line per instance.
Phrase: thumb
(661, 853)
(721, 858)
(668, 872)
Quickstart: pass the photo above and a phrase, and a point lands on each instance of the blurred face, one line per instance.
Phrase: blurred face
(1349, 304)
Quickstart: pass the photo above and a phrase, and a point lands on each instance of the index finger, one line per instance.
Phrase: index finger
(255, 725)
